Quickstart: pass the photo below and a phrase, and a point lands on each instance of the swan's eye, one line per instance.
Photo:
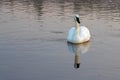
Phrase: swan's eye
(77, 19)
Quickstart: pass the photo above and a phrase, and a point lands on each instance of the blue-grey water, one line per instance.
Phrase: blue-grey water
(33, 42)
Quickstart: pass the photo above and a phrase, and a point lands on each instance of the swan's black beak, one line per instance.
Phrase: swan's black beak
(77, 19)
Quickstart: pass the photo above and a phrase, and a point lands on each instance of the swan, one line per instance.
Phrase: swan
(78, 34)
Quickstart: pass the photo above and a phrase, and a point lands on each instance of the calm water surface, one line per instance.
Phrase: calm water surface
(33, 40)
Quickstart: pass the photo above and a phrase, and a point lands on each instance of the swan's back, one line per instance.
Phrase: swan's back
(71, 34)
(80, 36)
(84, 33)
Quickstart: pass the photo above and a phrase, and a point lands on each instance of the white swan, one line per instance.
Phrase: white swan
(78, 34)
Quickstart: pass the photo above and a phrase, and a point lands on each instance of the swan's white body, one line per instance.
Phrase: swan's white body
(78, 34)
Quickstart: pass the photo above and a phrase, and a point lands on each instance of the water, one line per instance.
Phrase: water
(33, 40)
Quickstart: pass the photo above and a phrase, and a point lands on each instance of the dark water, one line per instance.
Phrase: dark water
(33, 40)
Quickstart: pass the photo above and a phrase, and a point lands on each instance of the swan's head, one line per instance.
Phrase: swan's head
(76, 18)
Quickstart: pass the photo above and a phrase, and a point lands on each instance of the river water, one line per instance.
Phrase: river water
(33, 42)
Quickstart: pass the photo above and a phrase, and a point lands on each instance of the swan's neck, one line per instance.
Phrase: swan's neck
(77, 26)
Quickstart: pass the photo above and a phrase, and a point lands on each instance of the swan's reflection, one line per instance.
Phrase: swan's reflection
(78, 49)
